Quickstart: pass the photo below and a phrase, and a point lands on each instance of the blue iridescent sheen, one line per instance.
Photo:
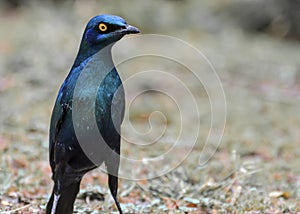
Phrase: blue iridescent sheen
(68, 161)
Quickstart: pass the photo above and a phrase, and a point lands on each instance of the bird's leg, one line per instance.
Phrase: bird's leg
(55, 202)
(113, 186)
(112, 165)
(59, 172)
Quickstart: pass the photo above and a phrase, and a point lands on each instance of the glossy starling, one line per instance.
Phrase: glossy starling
(69, 129)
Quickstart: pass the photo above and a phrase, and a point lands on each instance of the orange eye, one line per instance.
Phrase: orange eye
(102, 27)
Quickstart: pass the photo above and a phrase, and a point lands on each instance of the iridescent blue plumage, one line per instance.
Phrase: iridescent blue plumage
(76, 105)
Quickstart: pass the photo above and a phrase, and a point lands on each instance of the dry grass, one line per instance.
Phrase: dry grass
(256, 167)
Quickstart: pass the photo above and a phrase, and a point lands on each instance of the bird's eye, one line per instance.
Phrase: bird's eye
(102, 27)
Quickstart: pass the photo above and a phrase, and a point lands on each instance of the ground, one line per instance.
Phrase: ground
(255, 168)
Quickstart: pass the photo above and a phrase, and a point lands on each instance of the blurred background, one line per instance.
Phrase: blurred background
(254, 47)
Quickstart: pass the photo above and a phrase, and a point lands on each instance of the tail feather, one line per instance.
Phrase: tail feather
(66, 200)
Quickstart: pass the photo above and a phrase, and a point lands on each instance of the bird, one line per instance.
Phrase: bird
(77, 104)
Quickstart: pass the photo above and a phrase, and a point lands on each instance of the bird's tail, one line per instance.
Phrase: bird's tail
(64, 202)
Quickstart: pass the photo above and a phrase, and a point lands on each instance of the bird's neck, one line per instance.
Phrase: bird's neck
(98, 57)
(86, 52)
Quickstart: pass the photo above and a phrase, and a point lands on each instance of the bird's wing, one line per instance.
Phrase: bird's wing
(58, 115)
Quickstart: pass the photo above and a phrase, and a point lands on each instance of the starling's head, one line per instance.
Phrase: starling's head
(107, 29)
(101, 32)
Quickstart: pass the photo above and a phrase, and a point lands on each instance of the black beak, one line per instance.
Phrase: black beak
(131, 29)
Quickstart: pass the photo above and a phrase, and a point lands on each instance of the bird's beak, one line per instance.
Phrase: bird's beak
(131, 30)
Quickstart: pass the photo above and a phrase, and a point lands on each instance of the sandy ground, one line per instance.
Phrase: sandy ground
(256, 166)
